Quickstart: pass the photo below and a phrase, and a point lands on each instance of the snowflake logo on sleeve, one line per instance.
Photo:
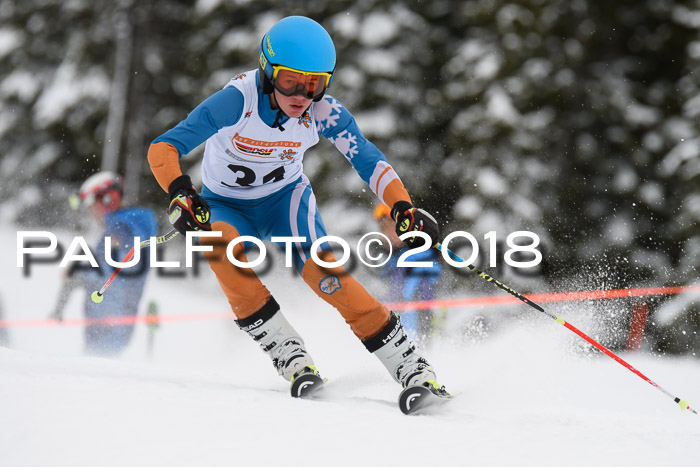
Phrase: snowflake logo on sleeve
(346, 143)
(327, 113)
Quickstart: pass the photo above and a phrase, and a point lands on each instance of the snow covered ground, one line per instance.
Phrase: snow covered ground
(207, 396)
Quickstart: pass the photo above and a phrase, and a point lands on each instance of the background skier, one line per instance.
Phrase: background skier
(101, 194)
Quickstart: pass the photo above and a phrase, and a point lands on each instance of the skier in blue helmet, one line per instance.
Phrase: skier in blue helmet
(298, 63)
(257, 129)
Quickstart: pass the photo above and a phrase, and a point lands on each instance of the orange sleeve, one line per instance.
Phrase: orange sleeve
(395, 191)
(165, 163)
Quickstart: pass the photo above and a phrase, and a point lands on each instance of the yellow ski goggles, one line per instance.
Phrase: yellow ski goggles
(289, 82)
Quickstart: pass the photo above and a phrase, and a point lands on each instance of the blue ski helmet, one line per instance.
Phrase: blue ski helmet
(299, 43)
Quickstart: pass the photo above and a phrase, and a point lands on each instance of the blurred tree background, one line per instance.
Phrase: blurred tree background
(574, 119)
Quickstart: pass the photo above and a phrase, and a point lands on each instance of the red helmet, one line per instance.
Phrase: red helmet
(103, 189)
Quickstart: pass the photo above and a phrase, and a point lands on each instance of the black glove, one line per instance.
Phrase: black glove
(409, 219)
(187, 210)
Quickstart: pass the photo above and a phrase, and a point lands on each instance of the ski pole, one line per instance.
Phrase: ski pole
(97, 295)
(683, 404)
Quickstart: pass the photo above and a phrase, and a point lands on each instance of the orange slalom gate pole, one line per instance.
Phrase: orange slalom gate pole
(638, 322)
(683, 404)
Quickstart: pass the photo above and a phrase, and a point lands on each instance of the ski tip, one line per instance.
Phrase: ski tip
(412, 399)
(97, 297)
(307, 385)
(417, 399)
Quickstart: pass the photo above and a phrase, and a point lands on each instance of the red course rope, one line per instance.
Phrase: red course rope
(398, 306)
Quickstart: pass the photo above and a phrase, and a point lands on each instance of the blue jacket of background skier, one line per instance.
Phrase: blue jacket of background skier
(127, 289)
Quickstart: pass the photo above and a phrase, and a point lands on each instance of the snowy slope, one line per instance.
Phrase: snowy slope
(207, 395)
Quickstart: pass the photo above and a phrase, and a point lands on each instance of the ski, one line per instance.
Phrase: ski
(416, 399)
(306, 384)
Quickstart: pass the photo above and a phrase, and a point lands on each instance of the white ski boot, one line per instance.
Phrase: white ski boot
(282, 343)
(398, 354)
